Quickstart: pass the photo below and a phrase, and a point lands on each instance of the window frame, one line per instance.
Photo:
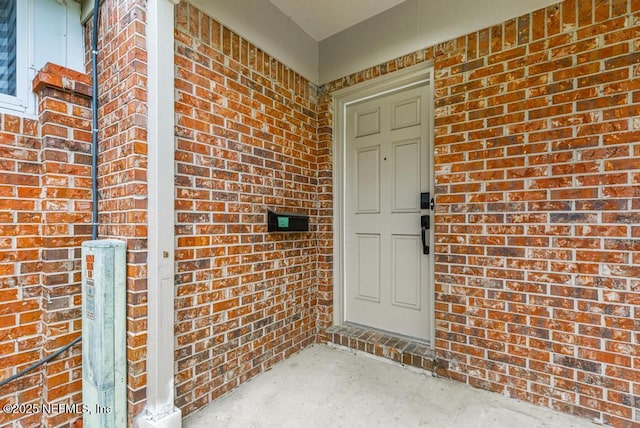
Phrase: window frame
(24, 100)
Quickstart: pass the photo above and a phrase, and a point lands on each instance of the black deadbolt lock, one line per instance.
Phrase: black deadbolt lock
(425, 201)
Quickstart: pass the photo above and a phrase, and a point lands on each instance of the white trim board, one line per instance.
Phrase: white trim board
(160, 411)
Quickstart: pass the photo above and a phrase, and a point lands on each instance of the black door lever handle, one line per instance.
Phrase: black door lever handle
(424, 226)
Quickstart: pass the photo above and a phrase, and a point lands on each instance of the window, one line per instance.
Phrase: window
(15, 47)
(8, 47)
(32, 33)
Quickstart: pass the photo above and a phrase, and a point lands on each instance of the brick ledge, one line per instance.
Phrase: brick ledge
(59, 77)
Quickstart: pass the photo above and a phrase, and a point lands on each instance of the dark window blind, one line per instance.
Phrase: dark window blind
(8, 47)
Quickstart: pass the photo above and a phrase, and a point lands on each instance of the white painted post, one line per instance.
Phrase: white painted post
(160, 410)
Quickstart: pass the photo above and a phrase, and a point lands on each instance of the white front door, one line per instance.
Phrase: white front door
(387, 168)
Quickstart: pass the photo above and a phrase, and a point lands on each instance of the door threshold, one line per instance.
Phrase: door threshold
(404, 350)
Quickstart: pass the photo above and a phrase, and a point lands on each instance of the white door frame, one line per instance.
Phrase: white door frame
(409, 77)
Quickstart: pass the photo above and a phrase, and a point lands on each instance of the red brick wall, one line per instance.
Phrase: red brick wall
(20, 242)
(246, 142)
(45, 186)
(537, 220)
(45, 210)
(64, 109)
(122, 166)
(537, 225)
(324, 305)
(538, 165)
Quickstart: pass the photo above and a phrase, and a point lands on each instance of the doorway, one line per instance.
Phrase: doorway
(383, 184)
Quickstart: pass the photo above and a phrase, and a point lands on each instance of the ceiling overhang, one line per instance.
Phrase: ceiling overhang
(324, 18)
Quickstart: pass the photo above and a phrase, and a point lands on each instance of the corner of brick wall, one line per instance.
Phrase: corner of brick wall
(324, 304)
(64, 111)
(122, 166)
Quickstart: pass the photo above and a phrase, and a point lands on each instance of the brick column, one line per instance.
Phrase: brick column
(65, 122)
(123, 167)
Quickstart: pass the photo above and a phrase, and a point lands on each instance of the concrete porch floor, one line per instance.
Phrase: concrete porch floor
(323, 386)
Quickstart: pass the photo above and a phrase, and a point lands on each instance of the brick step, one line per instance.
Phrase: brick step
(382, 344)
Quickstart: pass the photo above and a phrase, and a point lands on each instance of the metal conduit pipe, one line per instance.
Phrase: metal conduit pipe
(94, 119)
(41, 362)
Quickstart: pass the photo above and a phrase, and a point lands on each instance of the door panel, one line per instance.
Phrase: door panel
(368, 176)
(405, 113)
(368, 267)
(406, 176)
(406, 271)
(368, 122)
(387, 166)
